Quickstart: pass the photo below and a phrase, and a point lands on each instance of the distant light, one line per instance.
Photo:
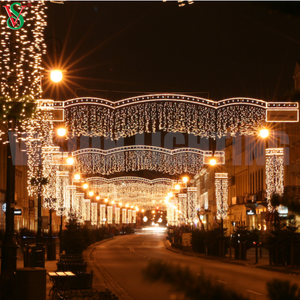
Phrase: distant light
(91, 193)
(120, 204)
(213, 162)
(56, 75)
(105, 200)
(185, 179)
(170, 194)
(112, 202)
(127, 205)
(153, 211)
(77, 176)
(264, 133)
(98, 198)
(143, 210)
(145, 219)
(61, 131)
(177, 187)
(85, 186)
(70, 161)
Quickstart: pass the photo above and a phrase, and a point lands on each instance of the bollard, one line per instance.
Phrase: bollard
(256, 253)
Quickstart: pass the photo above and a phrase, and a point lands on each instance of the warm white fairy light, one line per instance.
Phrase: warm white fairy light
(29, 42)
(135, 158)
(137, 191)
(274, 173)
(124, 216)
(62, 180)
(102, 214)
(86, 210)
(117, 215)
(221, 189)
(129, 220)
(94, 214)
(134, 216)
(167, 112)
(79, 209)
(109, 214)
(192, 204)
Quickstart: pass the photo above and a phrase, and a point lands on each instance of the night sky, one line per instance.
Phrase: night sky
(212, 50)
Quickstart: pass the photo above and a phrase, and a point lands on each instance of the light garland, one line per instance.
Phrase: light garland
(274, 173)
(192, 204)
(102, 214)
(117, 215)
(94, 214)
(135, 158)
(86, 213)
(166, 112)
(29, 43)
(124, 216)
(79, 208)
(137, 191)
(109, 214)
(129, 216)
(221, 190)
(133, 216)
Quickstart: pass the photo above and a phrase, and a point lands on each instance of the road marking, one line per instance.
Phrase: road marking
(259, 294)
(222, 281)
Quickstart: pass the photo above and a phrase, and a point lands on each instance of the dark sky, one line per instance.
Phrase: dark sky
(226, 49)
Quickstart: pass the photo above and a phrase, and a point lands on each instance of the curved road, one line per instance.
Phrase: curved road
(119, 265)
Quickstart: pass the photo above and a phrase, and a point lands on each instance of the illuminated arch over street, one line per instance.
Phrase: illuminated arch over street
(136, 158)
(171, 113)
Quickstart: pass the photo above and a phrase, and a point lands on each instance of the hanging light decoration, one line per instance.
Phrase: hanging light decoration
(274, 173)
(221, 185)
(136, 158)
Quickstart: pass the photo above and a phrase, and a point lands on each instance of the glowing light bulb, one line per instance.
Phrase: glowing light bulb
(264, 133)
(185, 179)
(61, 131)
(91, 193)
(177, 187)
(170, 195)
(85, 186)
(56, 75)
(77, 176)
(213, 162)
(70, 160)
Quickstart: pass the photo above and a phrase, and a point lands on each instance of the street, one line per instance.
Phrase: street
(123, 259)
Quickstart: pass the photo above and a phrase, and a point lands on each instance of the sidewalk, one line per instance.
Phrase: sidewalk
(50, 266)
(263, 263)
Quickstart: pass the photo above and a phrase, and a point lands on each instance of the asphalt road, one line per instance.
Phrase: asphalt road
(124, 258)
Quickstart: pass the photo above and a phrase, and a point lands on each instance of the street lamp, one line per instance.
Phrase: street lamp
(264, 133)
(56, 76)
(213, 162)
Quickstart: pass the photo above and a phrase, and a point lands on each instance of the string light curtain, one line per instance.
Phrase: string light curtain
(133, 216)
(102, 214)
(192, 203)
(137, 191)
(79, 209)
(124, 216)
(109, 214)
(136, 158)
(117, 215)
(94, 214)
(167, 112)
(62, 180)
(221, 190)
(87, 210)
(274, 173)
(129, 216)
